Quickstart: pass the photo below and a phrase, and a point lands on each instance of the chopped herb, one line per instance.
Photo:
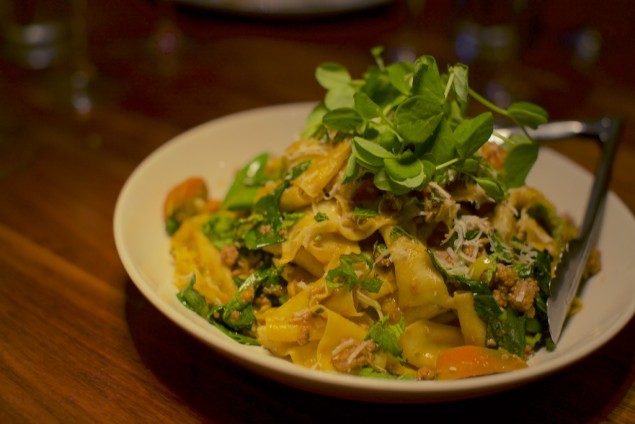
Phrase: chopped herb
(372, 285)
(346, 275)
(387, 335)
(238, 312)
(195, 301)
(220, 230)
(269, 220)
(364, 213)
(320, 217)
(247, 182)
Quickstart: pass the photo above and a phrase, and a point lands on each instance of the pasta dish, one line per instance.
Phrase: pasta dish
(395, 238)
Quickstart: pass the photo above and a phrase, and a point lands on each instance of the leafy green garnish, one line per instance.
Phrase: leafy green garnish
(364, 213)
(407, 124)
(387, 335)
(321, 217)
(354, 269)
(248, 180)
(195, 301)
(518, 163)
(267, 217)
(238, 313)
(220, 230)
(372, 284)
(510, 329)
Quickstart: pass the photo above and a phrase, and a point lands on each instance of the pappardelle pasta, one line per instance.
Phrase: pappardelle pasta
(393, 239)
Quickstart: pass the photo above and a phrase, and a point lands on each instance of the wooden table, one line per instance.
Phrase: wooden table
(78, 341)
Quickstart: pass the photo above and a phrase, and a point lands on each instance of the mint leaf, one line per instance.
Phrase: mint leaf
(410, 174)
(320, 217)
(340, 97)
(528, 114)
(345, 275)
(407, 108)
(381, 180)
(344, 119)
(314, 121)
(372, 285)
(387, 335)
(369, 153)
(417, 118)
(332, 75)
(400, 75)
(471, 134)
(492, 187)
(518, 163)
(427, 81)
(459, 82)
(366, 107)
(247, 182)
(444, 147)
(220, 230)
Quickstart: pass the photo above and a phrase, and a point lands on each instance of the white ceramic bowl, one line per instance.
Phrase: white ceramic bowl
(216, 149)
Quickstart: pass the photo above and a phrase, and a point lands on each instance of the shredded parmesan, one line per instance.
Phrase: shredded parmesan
(346, 343)
(370, 302)
(359, 349)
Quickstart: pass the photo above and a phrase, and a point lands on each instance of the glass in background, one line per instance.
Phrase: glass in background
(36, 34)
(49, 37)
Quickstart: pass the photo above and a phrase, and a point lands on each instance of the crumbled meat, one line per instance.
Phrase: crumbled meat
(351, 354)
(274, 290)
(234, 316)
(229, 255)
(505, 275)
(303, 320)
(522, 296)
(519, 293)
(262, 303)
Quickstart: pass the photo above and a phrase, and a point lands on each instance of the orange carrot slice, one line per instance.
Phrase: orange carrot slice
(471, 361)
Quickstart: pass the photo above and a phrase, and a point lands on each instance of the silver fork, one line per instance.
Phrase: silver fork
(566, 281)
